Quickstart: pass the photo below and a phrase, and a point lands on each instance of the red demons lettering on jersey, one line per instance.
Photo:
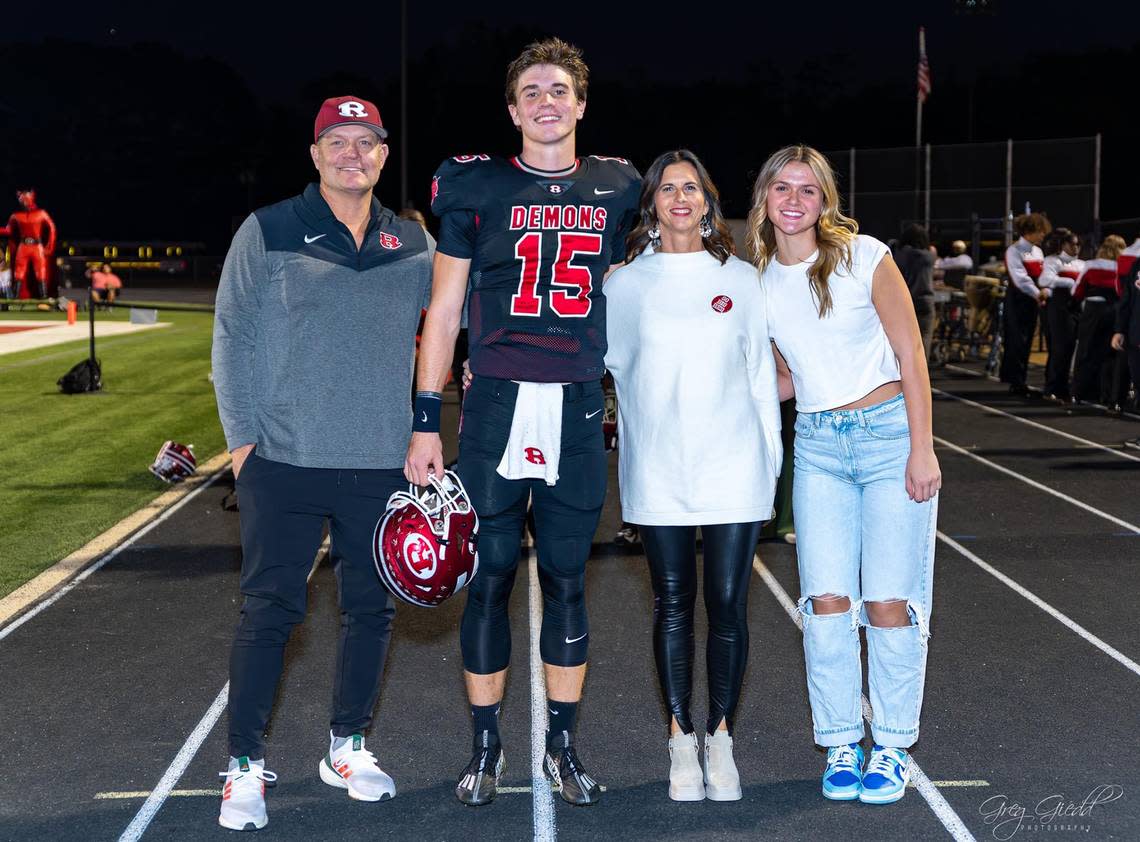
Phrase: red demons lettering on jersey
(557, 217)
(389, 241)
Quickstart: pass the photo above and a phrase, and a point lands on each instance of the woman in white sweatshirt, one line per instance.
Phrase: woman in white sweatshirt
(699, 425)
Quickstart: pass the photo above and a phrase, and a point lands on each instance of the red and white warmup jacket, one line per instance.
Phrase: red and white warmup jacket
(1024, 262)
(1060, 272)
(1099, 282)
(1127, 258)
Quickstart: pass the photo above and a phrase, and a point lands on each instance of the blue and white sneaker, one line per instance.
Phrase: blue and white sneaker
(884, 782)
(844, 773)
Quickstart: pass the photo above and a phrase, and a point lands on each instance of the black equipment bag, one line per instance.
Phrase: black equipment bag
(86, 376)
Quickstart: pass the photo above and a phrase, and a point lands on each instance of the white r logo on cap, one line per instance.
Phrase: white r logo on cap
(351, 109)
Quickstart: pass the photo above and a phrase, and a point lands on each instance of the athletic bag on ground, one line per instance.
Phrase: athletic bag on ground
(86, 376)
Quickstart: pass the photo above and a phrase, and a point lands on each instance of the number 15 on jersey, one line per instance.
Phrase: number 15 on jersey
(570, 285)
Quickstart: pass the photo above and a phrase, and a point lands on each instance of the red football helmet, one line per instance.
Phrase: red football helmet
(424, 546)
(174, 462)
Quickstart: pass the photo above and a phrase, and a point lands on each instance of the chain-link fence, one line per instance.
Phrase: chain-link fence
(972, 191)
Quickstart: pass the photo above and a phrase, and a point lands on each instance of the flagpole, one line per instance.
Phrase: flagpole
(919, 97)
(918, 118)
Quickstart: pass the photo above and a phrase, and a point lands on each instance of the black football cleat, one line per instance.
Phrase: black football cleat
(479, 783)
(567, 776)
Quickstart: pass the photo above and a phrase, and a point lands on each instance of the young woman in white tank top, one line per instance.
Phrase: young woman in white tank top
(866, 477)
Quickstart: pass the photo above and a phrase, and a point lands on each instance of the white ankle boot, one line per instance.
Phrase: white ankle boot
(685, 780)
(722, 781)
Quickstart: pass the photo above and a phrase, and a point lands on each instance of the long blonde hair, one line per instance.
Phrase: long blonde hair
(834, 232)
(1111, 248)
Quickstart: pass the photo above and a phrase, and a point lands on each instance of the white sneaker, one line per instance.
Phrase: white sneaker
(722, 781)
(243, 794)
(354, 768)
(686, 781)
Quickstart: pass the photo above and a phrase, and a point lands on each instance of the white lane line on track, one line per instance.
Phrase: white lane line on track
(926, 788)
(1079, 504)
(1113, 653)
(111, 555)
(1037, 425)
(994, 379)
(544, 824)
(189, 749)
(158, 797)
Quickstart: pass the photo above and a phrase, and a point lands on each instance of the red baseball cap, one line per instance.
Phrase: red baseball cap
(346, 111)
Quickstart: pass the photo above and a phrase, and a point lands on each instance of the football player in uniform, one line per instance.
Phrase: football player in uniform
(537, 234)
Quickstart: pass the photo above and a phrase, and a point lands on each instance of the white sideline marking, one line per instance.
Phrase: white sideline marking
(49, 332)
(1115, 654)
(544, 827)
(1079, 504)
(165, 786)
(926, 788)
(76, 567)
(182, 760)
(1037, 425)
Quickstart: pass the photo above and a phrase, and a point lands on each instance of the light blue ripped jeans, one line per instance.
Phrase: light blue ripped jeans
(859, 535)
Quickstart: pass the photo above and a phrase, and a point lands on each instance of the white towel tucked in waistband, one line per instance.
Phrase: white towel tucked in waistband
(535, 444)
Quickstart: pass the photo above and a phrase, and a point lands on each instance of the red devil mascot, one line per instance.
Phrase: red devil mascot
(32, 235)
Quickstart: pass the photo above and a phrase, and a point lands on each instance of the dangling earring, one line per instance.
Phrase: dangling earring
(654, 236)
(706, 227)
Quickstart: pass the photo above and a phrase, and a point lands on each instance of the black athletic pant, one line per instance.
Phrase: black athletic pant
(672, 555)
(1062, 342)
(1020, 319)
(1094, 344)
(283, 510)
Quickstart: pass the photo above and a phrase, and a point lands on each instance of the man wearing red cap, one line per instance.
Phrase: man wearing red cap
(314, 341)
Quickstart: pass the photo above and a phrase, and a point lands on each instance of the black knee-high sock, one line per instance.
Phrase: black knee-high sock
(563, 717)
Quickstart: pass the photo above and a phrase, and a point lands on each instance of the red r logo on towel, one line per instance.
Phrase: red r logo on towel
(534, 456)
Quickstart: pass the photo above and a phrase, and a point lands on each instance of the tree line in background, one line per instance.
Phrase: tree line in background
(143, 142)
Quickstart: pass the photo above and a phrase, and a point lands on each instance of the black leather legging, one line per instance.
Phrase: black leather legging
(672, 554)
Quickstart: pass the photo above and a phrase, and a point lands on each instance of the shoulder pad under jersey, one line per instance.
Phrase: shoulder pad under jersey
(622, 166)
(457, 183)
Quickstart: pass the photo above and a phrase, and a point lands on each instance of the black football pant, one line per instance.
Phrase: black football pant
(672, 555)
(565, 515)
(1020, 317)
(283, 510)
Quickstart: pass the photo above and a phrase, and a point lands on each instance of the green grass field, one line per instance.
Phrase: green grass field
(73, 465)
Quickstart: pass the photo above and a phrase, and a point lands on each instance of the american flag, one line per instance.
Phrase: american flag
(923, 67)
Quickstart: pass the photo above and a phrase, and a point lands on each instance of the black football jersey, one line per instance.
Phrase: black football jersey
(539, 244)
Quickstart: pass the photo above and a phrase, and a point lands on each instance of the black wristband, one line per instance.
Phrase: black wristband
(427, 410)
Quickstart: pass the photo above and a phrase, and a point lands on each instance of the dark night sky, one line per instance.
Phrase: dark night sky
(170, 121)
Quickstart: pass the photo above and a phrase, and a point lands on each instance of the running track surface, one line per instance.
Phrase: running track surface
(1029, 725)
